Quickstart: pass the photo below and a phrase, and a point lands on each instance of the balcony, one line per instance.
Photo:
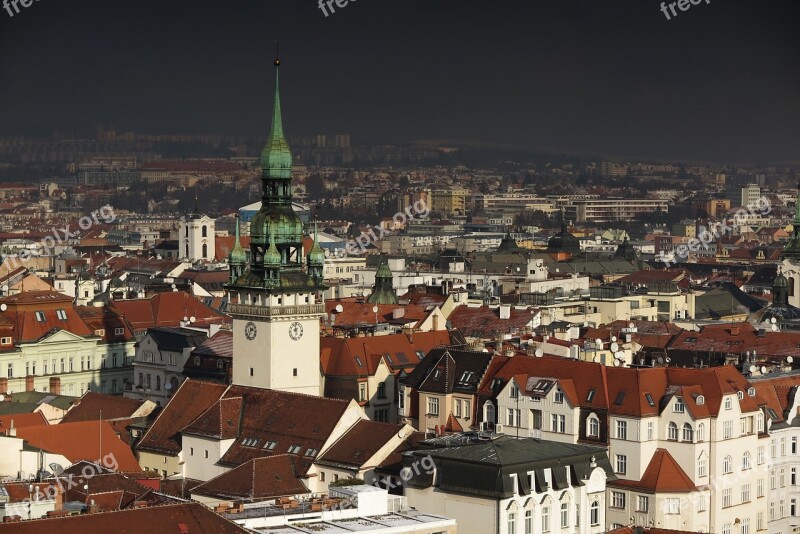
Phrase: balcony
(275, 311)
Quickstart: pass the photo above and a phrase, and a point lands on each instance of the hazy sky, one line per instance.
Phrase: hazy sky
(720, 81)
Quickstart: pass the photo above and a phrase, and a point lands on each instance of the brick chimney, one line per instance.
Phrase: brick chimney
(735, 331)
(92, 508)
(29, 383)
(55, 385)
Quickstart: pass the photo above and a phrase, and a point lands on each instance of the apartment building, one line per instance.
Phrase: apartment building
(617, 209)
(506, 485)
(688, 446)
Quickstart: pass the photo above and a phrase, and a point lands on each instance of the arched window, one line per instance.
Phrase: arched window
(727, 465)
(594, 513)
(687, 432)
(672, 432)
(593, 426)
(728, 403)
(702, 467)
(740, 394)
(488, 413)
(205, 231)
(746, 460)
(701, 432)
(205, 251)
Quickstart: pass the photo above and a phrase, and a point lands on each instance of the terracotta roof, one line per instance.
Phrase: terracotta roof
(81, 441)
(738, 338)
(220, 345)
(485, 322)
(20, 420)
(355, 312)
(92, 405)
(224, 244)
(177, 518)
(351, 356)
(452, 424)
(663, 475)
(192, 398)
(259, 478)
(165, 309)
(359, 444)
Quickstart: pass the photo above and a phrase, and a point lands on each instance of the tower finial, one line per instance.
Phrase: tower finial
(277, 53)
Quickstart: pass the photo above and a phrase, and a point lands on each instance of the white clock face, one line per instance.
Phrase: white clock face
(296, 331)
(250, 330)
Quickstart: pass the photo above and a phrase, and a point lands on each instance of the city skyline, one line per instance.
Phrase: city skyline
(714, 84)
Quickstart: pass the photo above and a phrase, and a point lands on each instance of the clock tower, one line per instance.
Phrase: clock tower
(276, 300)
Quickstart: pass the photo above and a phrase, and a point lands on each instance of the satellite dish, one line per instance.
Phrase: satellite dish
(631, 326)
(192, 319)
(660, 360)
(613, 339)
(56, 469)
(558, 270)
(616, 363)
(539, 353)
(168, 386)
(374, 309)
(753, 368)
(775, 328)
(763, 370)
(773, 320)
(789, 359)
(668, 359)
(185, 319)
(614, 347)
(599, 342)
(3, 306)
(339, 308)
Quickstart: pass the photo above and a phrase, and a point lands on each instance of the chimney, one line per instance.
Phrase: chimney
(3, 385)
(29, 383)
(436, 321)
(505, 311)
(398, 313)
(55, 385)
(735, 331)
(92, 508)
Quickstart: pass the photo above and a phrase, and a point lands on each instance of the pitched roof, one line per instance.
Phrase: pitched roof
(192, 398)
(187, 518)
(92, 405)
(485, 322)
(259, 478)
(165, 309)
(663, 475)
(448, 369)
(81, 441)
(355, 311)
(360, 443)
(22, 419)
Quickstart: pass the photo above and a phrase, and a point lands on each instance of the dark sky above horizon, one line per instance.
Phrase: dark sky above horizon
(720, 82)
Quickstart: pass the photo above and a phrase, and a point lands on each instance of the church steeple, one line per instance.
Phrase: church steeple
(237, 258)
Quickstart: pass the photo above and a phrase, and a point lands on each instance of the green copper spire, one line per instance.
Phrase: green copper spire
(276, 158)
(383, 292)
(237, 255)
(316, 256)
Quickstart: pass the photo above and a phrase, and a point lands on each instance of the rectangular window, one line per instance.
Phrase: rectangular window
(564, 515)
(745, 526)
(558, 423)
(726, 528)
(622, 464)
(760, 456)
(458, 407)
(467, 411)
(745, 493)
(618, 499)
(61, 314)
(40, 316)
(119, 331)
(642, 503)
(545, 519)
(760, 487)
(512, 523)
(678, 407)
(433, 406)
(650, 431)
(513, 417)
(672, 505)
(622, 429)
(362, 394)
(726, 497)
(760, 521)
(528, 522)
(558, 398)
(783, 446)
(727, 430)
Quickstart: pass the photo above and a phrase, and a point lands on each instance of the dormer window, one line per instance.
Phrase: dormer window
(751, 392)
(61, 314)
(679, 407)
(40, 316)
(740, 395)
(701, 400)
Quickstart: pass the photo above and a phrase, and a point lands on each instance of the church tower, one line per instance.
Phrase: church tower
(196, 236)
(276, 303)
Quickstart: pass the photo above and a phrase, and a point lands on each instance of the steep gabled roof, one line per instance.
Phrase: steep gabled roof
(359, 444)
(92, 405)
(663, 475)
(259, 478)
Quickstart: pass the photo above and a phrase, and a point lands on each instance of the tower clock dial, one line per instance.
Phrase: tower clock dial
(250, 330)
(296, 331)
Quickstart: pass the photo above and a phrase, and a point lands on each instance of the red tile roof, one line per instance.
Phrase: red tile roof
(92, 405)
(20, 420)
(485, 322)
(188, 518)
(81, 441)
(165, 309)
(663, 475)
(360, 443)
(355, 312)
(259, 478)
